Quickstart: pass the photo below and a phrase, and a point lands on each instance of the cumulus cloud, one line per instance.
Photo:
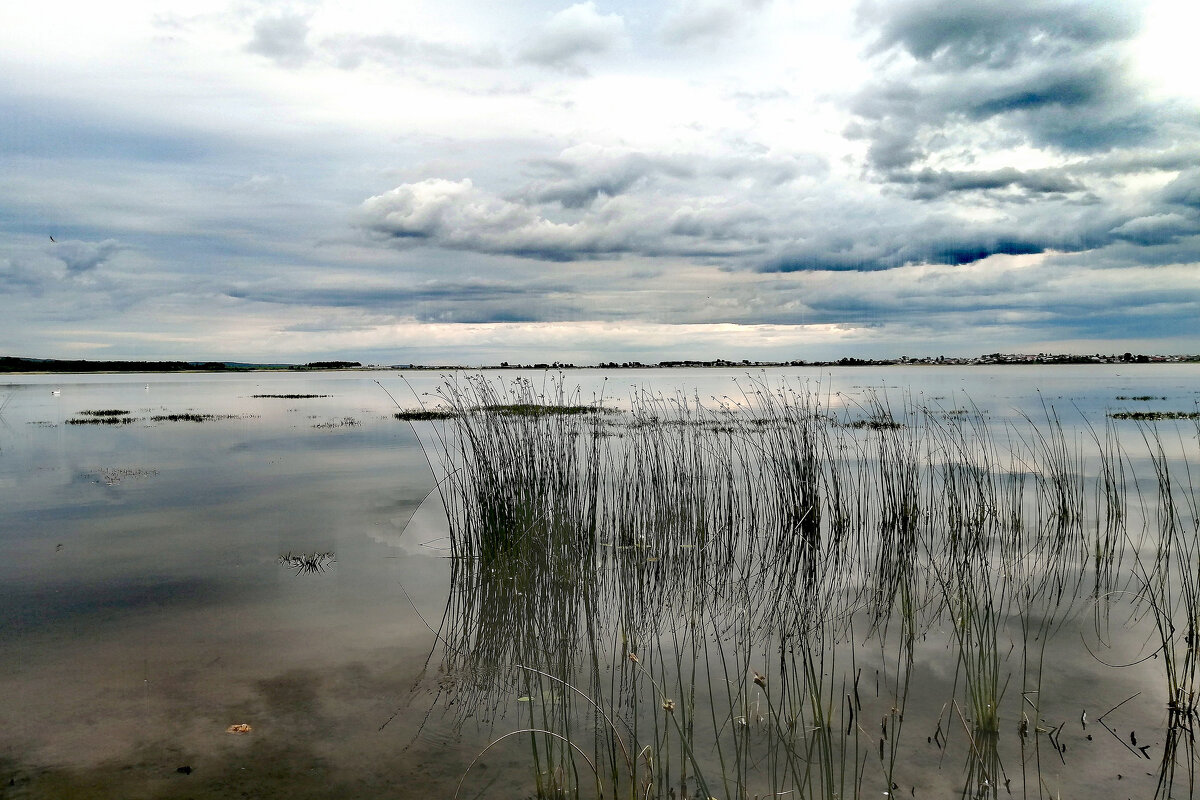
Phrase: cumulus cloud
(83, 257)
(283, 39)
(576, 31)
(457, 215)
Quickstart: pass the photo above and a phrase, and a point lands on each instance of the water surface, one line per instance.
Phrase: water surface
(144, 607)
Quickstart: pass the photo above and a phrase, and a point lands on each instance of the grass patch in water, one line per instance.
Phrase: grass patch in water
(291, 396)
(193, 417)
(344, 422)
(540, 409)
(423, 415)
(875, 424)
(1155, 415)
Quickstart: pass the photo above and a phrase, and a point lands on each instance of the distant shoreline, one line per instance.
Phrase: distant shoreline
(19, 365)
(16, 364)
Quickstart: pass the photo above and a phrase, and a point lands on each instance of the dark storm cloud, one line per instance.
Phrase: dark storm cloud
(866, 243)
(1184, 190)
(958, 33)
(1049, 75)
(928, 183)
(866, 253)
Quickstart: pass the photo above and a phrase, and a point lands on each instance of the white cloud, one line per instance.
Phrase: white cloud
(283, 39)
(576, 31)
(706, 20)
(456, 214)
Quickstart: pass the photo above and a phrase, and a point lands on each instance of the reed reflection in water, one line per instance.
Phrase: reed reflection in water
(784, 595)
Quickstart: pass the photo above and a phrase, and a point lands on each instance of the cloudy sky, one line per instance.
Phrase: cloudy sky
(474, 181)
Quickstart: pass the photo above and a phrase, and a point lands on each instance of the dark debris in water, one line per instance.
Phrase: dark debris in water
(308, 563)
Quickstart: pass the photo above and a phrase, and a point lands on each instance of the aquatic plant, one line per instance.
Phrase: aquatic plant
(423, 415)
(671, 594)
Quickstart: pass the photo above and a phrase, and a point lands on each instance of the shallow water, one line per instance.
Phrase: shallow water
(144, 607)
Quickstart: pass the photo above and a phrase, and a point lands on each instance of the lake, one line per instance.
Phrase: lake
(271, 550)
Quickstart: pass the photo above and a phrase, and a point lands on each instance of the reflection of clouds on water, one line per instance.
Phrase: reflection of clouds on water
(419, 531)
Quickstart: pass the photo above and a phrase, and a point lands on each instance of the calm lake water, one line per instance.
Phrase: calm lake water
(147, 603)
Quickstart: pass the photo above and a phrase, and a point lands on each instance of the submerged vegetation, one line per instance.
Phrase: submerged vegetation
(741, 599)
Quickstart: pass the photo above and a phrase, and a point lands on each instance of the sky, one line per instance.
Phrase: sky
(474, 182)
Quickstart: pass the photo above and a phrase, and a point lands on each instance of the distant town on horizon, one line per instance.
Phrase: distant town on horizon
(14, 364)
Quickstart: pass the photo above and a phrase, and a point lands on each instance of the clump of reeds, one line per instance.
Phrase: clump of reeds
(675, 605)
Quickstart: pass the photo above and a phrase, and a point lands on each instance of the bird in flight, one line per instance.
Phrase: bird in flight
(52, 239)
